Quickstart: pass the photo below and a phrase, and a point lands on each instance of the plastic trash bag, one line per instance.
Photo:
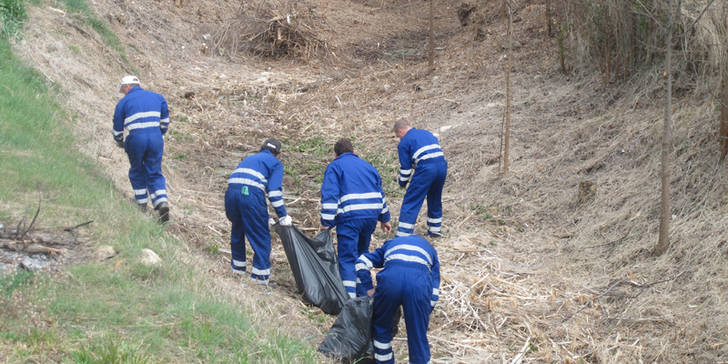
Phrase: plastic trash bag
(313, 262)
(350, 338)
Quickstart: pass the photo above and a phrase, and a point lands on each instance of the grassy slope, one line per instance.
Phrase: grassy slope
(112, 312)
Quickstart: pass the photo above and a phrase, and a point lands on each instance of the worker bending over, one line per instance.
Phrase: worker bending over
(423, 165)
(352, 200)
(255, 177)
(410, 278)
(144, 114)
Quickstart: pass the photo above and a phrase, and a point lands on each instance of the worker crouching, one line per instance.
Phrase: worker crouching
(410, 278)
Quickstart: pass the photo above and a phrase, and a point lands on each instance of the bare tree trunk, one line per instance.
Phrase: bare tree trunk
(549, 32)
(724, 115)
(431, 47)
(663, 241)
(507, 134)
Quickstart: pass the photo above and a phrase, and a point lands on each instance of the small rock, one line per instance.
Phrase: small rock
(150, 258)
(104, 252)
(34, 263)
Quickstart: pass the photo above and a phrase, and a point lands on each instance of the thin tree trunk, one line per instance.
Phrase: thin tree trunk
(431, 47)
(724, 115)
(663, 241)
(507, 135)
(549, 32)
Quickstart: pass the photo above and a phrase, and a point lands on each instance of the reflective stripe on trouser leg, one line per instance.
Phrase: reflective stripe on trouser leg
(348, 241)
(135, 149)
(386, 301)
(412, 202)
(255, 219)
(153, 166)
(366, 229)
(416, 307)
(237, 232)
(434, 199)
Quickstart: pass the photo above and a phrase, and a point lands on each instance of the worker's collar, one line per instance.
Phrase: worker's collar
(345, 154)
(135, 88)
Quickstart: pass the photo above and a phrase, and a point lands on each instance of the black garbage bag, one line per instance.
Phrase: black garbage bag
(313, 262)
(350, 338)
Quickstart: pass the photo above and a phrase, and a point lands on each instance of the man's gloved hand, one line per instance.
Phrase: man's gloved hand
(119, 143)
(285, 221)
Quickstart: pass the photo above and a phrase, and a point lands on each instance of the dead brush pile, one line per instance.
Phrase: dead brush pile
(271, 28)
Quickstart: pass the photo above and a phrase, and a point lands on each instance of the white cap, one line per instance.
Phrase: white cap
(129, 80)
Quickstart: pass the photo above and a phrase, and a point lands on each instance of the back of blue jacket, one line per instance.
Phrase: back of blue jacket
(352, 188)
(417, 147)
(403, 252)
(262, 171)
(141, 111)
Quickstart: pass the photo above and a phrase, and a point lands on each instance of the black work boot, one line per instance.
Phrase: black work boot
(142, 207)
(163, 209)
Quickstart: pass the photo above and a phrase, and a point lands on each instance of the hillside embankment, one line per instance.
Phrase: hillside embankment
(532, 270)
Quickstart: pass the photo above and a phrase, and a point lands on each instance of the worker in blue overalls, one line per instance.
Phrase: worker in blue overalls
(423, 165)
(144, 114)
(410, 278)
(352, 200)
(255, 177)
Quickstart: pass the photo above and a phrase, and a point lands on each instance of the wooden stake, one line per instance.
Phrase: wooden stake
(663, 241)
(431, 46)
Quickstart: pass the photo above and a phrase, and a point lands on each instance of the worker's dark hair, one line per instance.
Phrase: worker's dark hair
(273, 145)
(343, 146)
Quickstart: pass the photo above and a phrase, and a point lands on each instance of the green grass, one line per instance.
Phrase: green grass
(116, 311)
(12, 15)
(109, 38)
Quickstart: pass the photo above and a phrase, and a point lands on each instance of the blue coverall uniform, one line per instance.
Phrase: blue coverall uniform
(421, 158)
(146, 116)
(411, 278)
(245, 207)
(352, 199)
